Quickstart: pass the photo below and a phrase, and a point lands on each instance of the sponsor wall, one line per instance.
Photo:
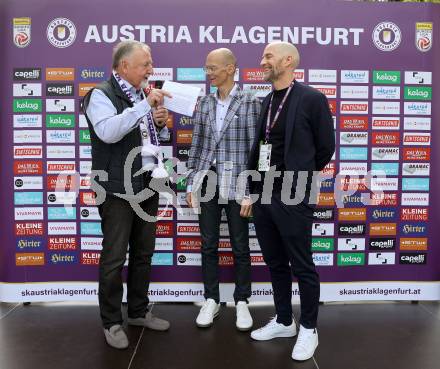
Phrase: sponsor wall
(374, 233)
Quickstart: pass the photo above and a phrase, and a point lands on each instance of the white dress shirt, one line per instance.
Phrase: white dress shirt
(111, 127)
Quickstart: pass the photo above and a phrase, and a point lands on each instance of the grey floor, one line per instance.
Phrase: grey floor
(352, 336)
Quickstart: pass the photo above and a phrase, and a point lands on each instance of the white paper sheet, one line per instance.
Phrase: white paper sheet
(184, 97)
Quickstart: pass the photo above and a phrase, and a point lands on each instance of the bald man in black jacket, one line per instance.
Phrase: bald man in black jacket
(294, 134)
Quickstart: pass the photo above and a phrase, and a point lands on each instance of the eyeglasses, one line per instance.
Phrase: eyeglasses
(209, 69)
(212, 69)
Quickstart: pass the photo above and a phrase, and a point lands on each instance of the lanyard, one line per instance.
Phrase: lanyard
(269, 126)
(149, 125)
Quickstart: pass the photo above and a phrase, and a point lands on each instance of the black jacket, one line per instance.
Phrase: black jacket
(310, 136)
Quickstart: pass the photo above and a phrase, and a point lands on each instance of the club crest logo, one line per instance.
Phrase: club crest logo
(61, 32)
(387, 36)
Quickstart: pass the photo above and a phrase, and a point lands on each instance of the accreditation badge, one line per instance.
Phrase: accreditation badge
(264, 159)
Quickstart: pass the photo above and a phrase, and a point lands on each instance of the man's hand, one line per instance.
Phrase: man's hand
(246, 208)
(160, 116)
(189, 200)
(155, 97)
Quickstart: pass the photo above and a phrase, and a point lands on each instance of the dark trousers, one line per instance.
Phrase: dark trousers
(284, 233)
(209, 221)
(120, 227)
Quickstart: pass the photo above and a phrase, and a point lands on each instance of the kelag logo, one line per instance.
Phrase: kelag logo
(90, 74)
(382, 243)
(418, 93)
(181, 184)
(351, 229)
(63, 258)
(413, 258)
(29, 244)
(323, 244)
(84, 136)
(386, 77)
(414, 229)
(27, 106)
(351, 259)
(60, 120)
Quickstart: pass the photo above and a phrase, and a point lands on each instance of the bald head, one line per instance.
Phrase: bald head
(223, 56)
(285, 49)
(220, 68)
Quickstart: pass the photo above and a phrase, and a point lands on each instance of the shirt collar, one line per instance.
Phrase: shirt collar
(130, 87)
(232, 93)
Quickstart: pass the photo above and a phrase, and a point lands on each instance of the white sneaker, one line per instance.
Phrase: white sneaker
(306, 344)
(244, 320)
(274, 330)
(208, 312)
